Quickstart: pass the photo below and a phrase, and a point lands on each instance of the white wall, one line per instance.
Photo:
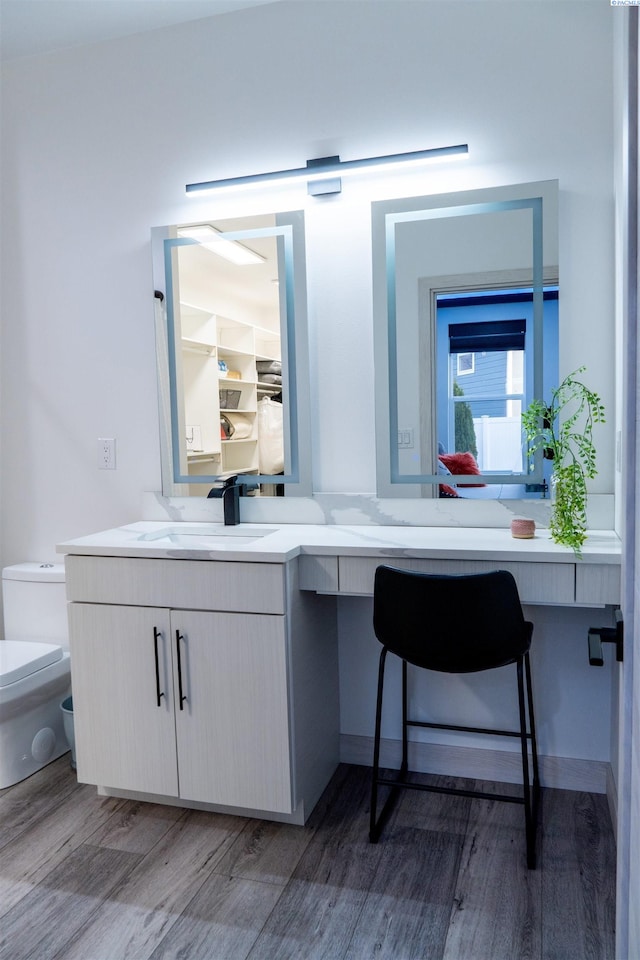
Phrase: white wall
(98, 143)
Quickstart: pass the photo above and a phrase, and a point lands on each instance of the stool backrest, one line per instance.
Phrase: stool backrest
(454, 624)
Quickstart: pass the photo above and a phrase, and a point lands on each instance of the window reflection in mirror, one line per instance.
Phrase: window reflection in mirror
(465, 301)
(232, 353)
(484, 339)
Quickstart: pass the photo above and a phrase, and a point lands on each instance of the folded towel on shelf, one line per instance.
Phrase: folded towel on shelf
(269, 366)
(270, 378)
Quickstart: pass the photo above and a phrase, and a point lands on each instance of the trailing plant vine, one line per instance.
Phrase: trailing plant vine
(563, 429)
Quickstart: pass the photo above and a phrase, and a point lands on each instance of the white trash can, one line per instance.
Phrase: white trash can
(67, 720)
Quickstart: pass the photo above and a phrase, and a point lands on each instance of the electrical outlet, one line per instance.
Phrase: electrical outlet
(106, 453)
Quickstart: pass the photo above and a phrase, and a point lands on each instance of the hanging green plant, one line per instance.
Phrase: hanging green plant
(563, 429)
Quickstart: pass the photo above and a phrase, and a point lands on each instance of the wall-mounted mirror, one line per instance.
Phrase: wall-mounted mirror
(466, 335)
(232, 354)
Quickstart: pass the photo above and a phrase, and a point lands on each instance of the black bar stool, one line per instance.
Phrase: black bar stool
(415, 616)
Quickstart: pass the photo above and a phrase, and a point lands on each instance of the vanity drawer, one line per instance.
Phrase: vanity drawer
(537, 582)
(318, 573)
(188, 584)
(598, 583)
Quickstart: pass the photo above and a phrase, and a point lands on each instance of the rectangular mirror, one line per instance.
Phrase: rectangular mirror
(466, 335)
(232, 354)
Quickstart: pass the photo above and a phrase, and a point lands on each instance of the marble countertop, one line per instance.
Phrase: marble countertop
(276, 543)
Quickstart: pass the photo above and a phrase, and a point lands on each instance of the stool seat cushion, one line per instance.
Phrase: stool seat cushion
(448, 623)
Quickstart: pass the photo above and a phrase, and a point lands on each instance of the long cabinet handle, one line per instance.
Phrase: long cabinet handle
(181, 696)
(156, 636)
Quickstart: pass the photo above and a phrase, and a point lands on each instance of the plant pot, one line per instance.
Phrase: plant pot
(568, 495)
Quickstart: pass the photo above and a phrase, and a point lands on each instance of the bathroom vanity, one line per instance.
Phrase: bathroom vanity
(204, 682)
(205, 661)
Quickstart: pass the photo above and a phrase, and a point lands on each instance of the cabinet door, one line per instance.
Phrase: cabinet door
(125, 732)
(233, 728)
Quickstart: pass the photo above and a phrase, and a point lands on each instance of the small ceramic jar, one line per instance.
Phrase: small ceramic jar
(523, 529)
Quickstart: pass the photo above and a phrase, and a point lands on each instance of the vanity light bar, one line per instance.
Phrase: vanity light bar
(317, 170)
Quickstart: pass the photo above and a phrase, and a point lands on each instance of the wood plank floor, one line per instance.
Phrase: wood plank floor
(90, 878)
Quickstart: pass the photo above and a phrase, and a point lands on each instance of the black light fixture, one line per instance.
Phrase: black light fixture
(324, 174)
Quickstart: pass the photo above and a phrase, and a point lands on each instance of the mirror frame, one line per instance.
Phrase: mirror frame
(289, 226)
(542, 199)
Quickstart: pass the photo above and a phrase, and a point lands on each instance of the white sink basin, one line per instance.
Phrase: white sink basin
(214, 535)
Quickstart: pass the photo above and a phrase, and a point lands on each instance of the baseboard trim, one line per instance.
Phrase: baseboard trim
(562, 773)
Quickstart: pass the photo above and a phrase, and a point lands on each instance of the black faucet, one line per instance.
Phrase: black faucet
(230, 494)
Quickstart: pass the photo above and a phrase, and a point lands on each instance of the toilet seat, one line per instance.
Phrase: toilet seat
(22, 658)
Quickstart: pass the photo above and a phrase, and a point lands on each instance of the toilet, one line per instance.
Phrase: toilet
(35, 674)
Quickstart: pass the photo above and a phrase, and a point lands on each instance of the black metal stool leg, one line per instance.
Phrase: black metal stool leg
(532, 728)
(374, 831)
(405, 746)
(376, 823)
(530, 825)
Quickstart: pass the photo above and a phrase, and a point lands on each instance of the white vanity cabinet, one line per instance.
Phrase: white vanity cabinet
(233, 734)
(203, 682)
(219, 696)
(122, 737)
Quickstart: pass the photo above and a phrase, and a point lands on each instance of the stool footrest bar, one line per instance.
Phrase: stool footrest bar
(453, 726)
(452, 791)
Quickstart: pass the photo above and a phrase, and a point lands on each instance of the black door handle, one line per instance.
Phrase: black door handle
(156, 636)
(181, 696)
(600, 635)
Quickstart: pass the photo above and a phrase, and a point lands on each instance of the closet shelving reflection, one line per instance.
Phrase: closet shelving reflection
(219, 376)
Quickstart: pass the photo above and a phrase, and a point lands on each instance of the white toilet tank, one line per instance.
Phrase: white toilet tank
(35, 603)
